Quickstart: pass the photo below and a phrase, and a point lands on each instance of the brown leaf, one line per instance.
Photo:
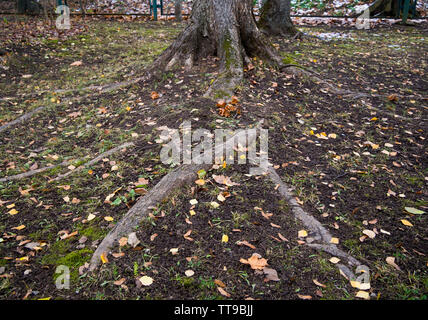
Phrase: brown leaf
(223, 292)
(271, 274)
(219, 283)
(224, 180)
(119, 282)
(256, 262)
(245, 243)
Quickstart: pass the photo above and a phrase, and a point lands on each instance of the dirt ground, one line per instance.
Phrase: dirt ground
(357, 165)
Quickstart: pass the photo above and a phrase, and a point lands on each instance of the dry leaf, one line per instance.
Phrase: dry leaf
(318, 283)
(146, 280)
(123, 241)
(256, 262)
(245, 243)
(189, 273)
(369, 233)
(391, 262)
(302, 234)
(406, 223)
(219, 283)
(223, 292)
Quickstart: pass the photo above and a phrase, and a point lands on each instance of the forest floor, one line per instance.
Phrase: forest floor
(358, 166)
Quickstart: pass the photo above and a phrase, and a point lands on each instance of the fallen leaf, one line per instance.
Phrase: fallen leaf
(133, 240)
(225, 238)
(108, 218)
(154, 95)
(302, 234)
(245, 243)
(303, 297)
(224, 180)
(223, 292)
(119, 282)
(334, 260)
(414, 210)
(319, 283)
(146, 280)
(256, 262)
(104, 257)
(219, 283)
(271, 274)
(334, 240)
(123, 241)
(406, 223)
(76, 63)
(369, 233)
(363, 295)
(391, 262)
(189, 273)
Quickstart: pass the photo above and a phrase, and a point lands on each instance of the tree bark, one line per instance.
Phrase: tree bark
(223, 28)
(275, 18)
(177, 10)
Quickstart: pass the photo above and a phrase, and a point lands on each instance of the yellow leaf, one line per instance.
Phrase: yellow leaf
(334, 240)
(13, 212)
(302, 234)
(10, 206)
(19, 227)
(104, 258)
(363, 295)
(221, 198)
(406, 223)
(108, 218)
(200, 182)
(192, 212)
(214, 204)
(334, 260)
(225, 238)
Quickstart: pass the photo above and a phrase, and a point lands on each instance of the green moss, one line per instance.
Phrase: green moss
(288, 58)
(92, 232)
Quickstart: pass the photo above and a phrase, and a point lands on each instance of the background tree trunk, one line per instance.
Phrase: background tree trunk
(178, 9)
(275, 18)
(223, 28)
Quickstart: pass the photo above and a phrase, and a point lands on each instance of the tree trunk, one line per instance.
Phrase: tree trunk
(275, 18)
(223, 28)
(383, 7)
(178, 9)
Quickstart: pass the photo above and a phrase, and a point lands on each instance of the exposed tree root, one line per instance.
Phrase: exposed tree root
(97, 90)
(318, 232)
(67, 162)
(21, 119)
(95, 160)
(180, 176)
(34, 172)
